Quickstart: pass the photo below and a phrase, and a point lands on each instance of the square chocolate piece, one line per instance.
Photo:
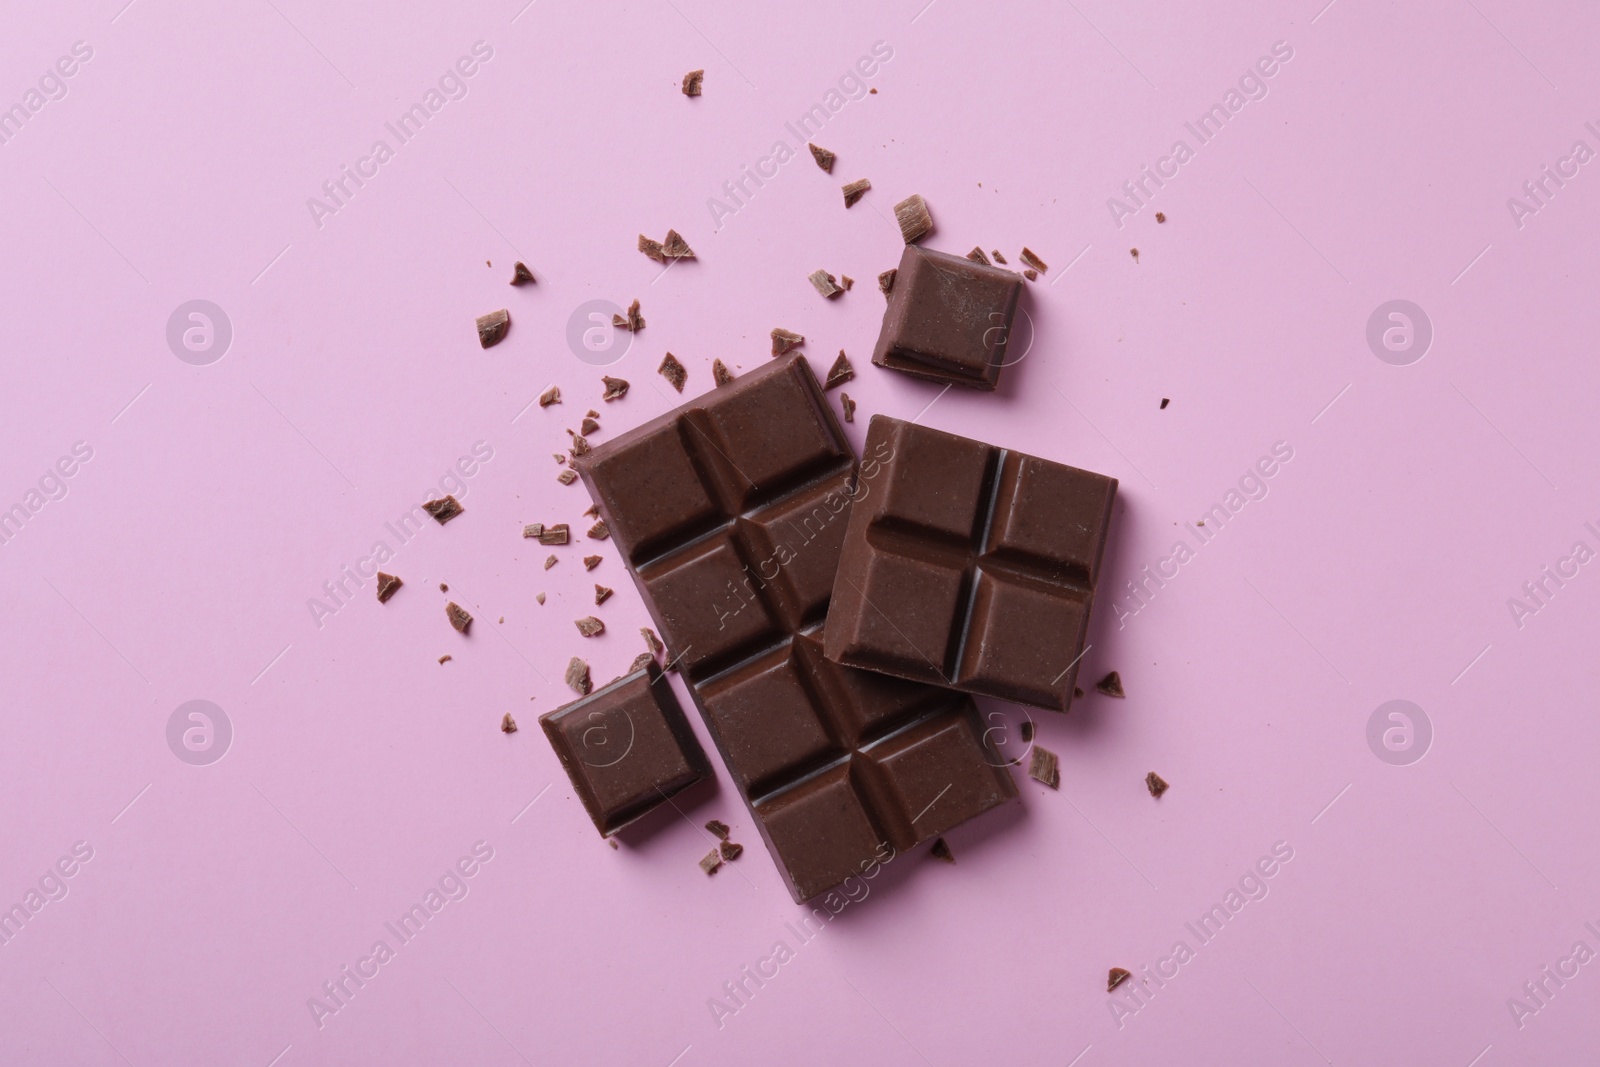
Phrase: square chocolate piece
(948, 319)
(730, 513)
(626, 747)
(969, 566)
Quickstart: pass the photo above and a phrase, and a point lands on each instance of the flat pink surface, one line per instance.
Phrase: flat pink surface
(180, 559)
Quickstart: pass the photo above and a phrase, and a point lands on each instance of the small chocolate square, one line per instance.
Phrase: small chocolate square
(948, 319)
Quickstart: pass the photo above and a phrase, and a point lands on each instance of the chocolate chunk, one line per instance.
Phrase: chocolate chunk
(941, 851)
(998, 258)
(599, 531)
(718, 829)
(730, 850)
(652, 248)
(912, 215)
(533, 529)
(589, 626)
(592, 413)
(589, 425)
(1030, 259)
(1164, 403)
(711, 862)
(550, 561)
(567, 477)
(492, 327)
(558, 534)
(643, 659)
(823, 157)
(652, 640)
(840, 372)
(837, 766)
(783, 340)
(824, 283)
(675, 247)
(443, 510)
(1116, 977)
(1026, 730)
(673, 372)
(970, 566)
(550, 396)
(580, 445)
(521, 275)
(616, 388)
(1030, 274)
(508, 725)
(601, 593)
(626, 747)
(578, 676)
(977, 256)
(948, 319)
(591, 562)
(1111, 685)
(458, 616)
(886, 281)
(388, 585)
(1156, 784)
(1044, 767)
(1161, 216)
(633, 323)
(691, 82)
(855, 191)
(720, 372)
(849, 407)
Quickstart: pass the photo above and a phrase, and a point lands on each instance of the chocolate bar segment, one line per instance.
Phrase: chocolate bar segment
(969, 566)
(948, 319)
(730, 513)
(626, 747)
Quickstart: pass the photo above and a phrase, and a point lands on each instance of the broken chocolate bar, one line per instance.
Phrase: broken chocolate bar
(1044, 767)
(589, 626)
(616, 388)
(492, 327)
(948, 319)
(673, 372)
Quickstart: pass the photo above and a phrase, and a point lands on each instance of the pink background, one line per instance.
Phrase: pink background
(180, 562)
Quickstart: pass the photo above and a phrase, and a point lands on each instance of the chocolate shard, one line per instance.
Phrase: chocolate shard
(1161, 216)
(580, 445)
(675, 247)
(941, 851)
(691, 82)
(539, 597)
(589, 426)
(855, 191)
(848, 406)
(730, 850)
(592, 413)
(1164, 402)
(616, 388)
(521, 275)
(652, 248)
(840, 372)
(458, 616)
(591, 562)
(1116, 977)
(845, 282)
(1044, 767)
(1026, 730)
(1031, 259)
(601, 594)
(673, 371)
(998, 258)
(823, 157)
(567, 477)
(550, 396)
(599, 531)
(1111, 685)
(711, 862)
(492, 327)
(651, 640)
(592, 511)
(825, 283)
(388, 585)
(578, 676)
(949, 319)
(1030, 274)
(443, 510)
(508, 725)
(718, 829)
(558, 534)
(912, 215)
(783, 340)
(550, 561)
(589, 626)
(533, 529)
(977, 256)
(1156, 784)
(720, 372)
(641, 661)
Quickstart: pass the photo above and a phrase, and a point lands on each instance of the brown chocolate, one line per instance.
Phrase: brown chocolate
(948, 319)
(492, 327)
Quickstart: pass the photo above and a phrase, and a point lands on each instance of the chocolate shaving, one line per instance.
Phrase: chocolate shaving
(492, 327)
(825, 283)
(783, 340)
(598, 531)
(886, 280)
(1030, 274)
(719, 829)
(691, 82)
(675, 247)
(640, 662)
(508, 725)
(823, 157)
(591, 562)
(1116, 977)
(846, 281)
(849, 407)
(593, 510)
(652, 248)
(1164, 402)
(567, 477)
(840, 372)
(1030, 259)
(589, 426)
(616, 388)
(730, 851)
(580, 446)
(673, 372)
(977, 256)
(589, 626)
(443, 510)
(578, 676)
(998, 258)
(912, 215)
(720, 372)
(941, 850)
(710, 862)
(1044, 767)
(446, 658)
(652, 641)
(558, 534)
(1156, 784)
(533, 529)
(601, 593)
(458, 616)
(855, 191)
(550, 396)
(388, 585)
(1111, 685)
(521, 275)
(550, 561)
(633, 323)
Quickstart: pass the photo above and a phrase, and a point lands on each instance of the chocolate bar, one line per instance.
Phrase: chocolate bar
(948, 319)
(626, 747)
(969, 565)
(729, 513)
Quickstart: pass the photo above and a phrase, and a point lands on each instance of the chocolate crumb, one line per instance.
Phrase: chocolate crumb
(443, 510)
(600, 594)
(673, 372)
(1116, 977)
(823, 157)
(599, 531)
(521, 275)
(550, 561)
(1164, 403)
(977, 256)
(1156, 784)
(998, 258)
(710, 862)
(443, 588)
(720, 372)
(633, 323)
(550, 396)
(886, 280)
(873, 91)
(675, 247)
(388, 585)
(502, 619)
(652, 641)
(492, 327)
(730, 851)
(533, 529)
(612, 842)
(591, 562)
(539, 597)
(691, 82)
(1030, 274)
(855, 191)
(849, 407)
(941, 850)
(1027, 732)
(567, 477)
(825, 283)
(912, 215)
(1161, 216)
(593, 510)
(846, 282)
(719, 829)
(1044, 767)
(652, 248)
(1077, 691)
(446, 658)
(580, 446)
(592, 413)
(458, 617)
(589, 626)
(589, 426)
(578, 676)
(1111, 685)
(616, 388)
(783, 340)
(508, 725)
(1134, 252)
(1031, 259)
(840, 372)
(558, 534)
(641, 661)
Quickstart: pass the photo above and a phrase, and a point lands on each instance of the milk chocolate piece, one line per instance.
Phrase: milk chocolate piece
(589, 426)
(823, 157)
(567, 477)
(458, 616)
(1116, 976)
(839, 767)
(1111, 685)
(1031, 259)
(912, 215)
(941, 851)
(443, 510)
(616, 388)
(589, 626)
(521, 275)
(578, 676)
(970, 566)
(691, 82)
(855, 191)
(948, 319)
(711, 862)
(848, 406)
(388, 585)
(492, 327)
(626, 747)
(1044, 767)
(977, 255)
(720, 372)
(825, 283)
(673, 372)
(550, 396)
(1156, 784)
(783, 340)
(886, 281)
(591, 562)
(675, 247)
(718, 829)
(558, 534)
(601, 594)
(508, 725)
(840, 372)
(730, 850)
(652, 248)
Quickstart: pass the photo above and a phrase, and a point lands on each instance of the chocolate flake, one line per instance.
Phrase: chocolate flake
(710, 862)
(855, 191)
(641, 661)
(589, 426)
(1116, 977)
(578, 676)
(840, 372)
(720, 372)
(652, 248)
(1164, 402)
(593, 510)
(458, 616)
(550, 561)
(1031, 259)
(886, 280)
(1027, 732)
(1111, 685)
(673, 372)
(612, 842)
(508, 725)
(823, 157)
(825, 283)
(633, 323)
(443, 510)
(846, 281)
(591, 562)
(730, 850)
(580, 445)
(589, 626)
(977, 256)
(601, 593)
(616, 388)
(567, 477)
(849, 407)
(492, 327)
(783, 340)
(1161, 216)
(651, 640)
(1044, 767)
(446, 658)
(912, 215)
(533, 529)
(941, 850)
(388, 585)
(1156, 784)
(691, 82)
(719, 829)
(675, 247)
(1134, 252)
(1030, 274)
(592, 413)
(539, 597)
(998, 258)
(521, 275)
(550, 396)
(599, 531)
(558, 534)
